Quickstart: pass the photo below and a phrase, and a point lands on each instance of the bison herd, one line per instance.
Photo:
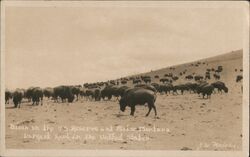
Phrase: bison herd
(129, 91)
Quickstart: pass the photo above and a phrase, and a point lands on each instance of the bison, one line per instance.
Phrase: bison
(64, 92)
(220, 86)
(239, 78)
(17, 97)
(37, 95)
(138, 96)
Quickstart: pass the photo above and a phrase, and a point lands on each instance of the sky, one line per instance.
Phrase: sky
(50, 46)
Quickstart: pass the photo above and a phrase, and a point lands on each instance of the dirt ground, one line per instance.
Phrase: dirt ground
(189, 122)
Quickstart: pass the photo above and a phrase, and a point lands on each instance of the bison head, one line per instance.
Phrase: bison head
(122, 104)
(71, 98)
(226, 89)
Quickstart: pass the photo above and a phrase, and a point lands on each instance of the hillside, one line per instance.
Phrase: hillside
(229, 61)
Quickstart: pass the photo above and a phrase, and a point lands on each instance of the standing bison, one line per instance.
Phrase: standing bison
(17, 97)
(138, 96)
(239, 78)
(37, 95)
(63, 92)
(220, 86)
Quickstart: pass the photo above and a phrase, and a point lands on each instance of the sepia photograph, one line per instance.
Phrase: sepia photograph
(115, 78)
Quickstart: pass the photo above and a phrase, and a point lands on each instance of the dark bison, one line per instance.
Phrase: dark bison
(239, 78)
(207, 90)
(189, 77)
(17, 97)
(198, 78)
(37, 95)
(138, 96)
(28, 93)
(166, 88)
(97, 94)
(200, 86)
(157, 76)
(192, 87)
(180, 87)
(8, 96)
(63, 92)
(76, 91)
(90, 94)
(220, 86)
(110, 91)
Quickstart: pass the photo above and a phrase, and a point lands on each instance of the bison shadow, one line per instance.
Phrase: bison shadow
(10, 107)
(120, 115)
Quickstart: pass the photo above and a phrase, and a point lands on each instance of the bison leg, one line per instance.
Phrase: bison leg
(132, 110)
(149, 110)
(155, 110)
(41, 101)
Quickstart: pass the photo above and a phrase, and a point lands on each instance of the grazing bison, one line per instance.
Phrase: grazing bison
(239, 78)
(220, 86)
(63, 92)
(8, 95)
(17, 97)
(138, 96)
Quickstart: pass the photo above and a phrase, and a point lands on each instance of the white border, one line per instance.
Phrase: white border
(120, 153)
